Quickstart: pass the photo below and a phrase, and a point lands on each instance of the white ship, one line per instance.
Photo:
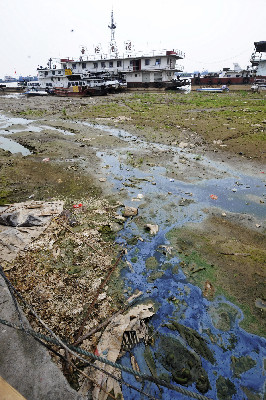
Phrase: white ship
(258, 61)
(104, 72)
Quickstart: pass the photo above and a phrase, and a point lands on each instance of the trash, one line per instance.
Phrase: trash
(258, 225)
(46, 159)
(213, 197)
(138, 198)
(208, 289)
(130, 211)
(223, 214)
(119, 331)
(152, 228)
(77, 205)
(135, 366)
(171, 180)
(21, 223)
(102, 179)
(234, 190)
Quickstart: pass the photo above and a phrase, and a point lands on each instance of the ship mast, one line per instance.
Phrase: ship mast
(112, 27)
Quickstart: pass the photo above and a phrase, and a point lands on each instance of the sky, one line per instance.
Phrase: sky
(213, 34)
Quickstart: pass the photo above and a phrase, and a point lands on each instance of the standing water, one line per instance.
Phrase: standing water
(190, 345)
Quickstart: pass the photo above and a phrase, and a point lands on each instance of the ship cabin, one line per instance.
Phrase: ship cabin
(153, 70)
(258, 58)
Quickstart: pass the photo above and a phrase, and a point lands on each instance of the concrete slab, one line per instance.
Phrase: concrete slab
(24, 363)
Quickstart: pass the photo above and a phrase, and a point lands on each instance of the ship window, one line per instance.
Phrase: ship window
(59, 72)
(83, 65)
(46, 73)
(147, 61)
(136, 75)
(158, 61)
(53, 72)
(103, 64)
(95, 65)
(111, 64)
(64, 66)
(119, 63)
(58, 79)
(74, 66)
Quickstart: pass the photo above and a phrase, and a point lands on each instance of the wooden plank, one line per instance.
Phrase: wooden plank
(7, 392)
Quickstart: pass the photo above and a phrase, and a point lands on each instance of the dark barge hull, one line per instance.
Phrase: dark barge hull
(65, 92)
(213, 80)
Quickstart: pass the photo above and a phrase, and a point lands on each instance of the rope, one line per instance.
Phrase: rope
(144, 377)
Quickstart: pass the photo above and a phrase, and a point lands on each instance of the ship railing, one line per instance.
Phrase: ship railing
(134, 54)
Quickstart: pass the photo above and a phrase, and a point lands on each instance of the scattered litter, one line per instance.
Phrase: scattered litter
(213, 197)
(208, 289)
(77, 205)
(46, 159)
(171, 180)
(140, 196)
(152, 228)
(21, 223)
(234, 190)
(119, 334)
(258, 225)
(102, 179)
(223, 214)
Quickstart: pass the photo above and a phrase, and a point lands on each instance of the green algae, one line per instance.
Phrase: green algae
(225, 388)
(184, 365)
(241, 365)
(193, 339)
(151, 263)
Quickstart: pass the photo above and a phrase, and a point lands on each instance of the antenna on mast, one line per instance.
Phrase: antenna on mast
(113, 47)
(112, 27)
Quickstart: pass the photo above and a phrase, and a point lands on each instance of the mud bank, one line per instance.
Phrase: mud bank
(165, 155)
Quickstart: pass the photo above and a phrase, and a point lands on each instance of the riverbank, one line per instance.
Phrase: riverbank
(176, 150)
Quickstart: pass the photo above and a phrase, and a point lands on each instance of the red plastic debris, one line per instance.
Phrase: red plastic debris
(77, 205)
(213, 197)
(96, 352)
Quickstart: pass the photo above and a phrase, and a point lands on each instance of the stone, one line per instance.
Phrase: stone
(130, 211)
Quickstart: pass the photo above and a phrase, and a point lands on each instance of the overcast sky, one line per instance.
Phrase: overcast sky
(213, 33)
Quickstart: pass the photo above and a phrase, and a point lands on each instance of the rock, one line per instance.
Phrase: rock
(153, 229)
(130, 211)
(115, 227)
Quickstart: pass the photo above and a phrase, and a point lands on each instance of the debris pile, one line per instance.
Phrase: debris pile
(57, 259)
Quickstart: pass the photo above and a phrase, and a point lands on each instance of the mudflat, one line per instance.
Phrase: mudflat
(209, 147)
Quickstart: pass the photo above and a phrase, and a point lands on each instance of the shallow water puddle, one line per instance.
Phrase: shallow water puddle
(13, 147)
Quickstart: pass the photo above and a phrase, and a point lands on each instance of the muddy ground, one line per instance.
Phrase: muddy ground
(227, 128)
